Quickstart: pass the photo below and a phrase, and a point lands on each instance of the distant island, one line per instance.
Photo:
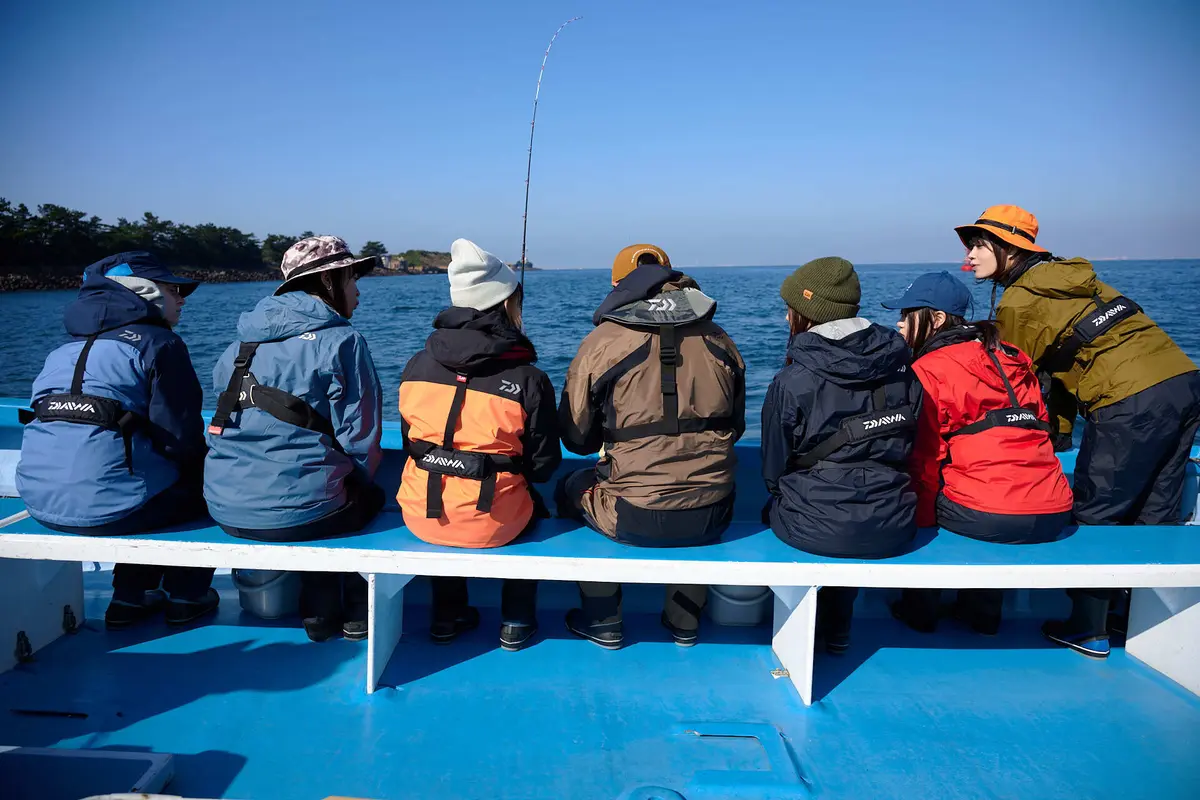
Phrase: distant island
(49, 248)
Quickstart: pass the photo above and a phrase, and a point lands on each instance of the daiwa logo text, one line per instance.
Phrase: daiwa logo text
(1107, 315)
(60, 405)
(509, 387)
(442, 461)
(890, 419)
(1023, 416)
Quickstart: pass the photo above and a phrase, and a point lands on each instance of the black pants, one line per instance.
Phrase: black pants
(1134, 453)
(518, 600)
(181, 503)
(328, 594)
(835, 610)
(1130, 470)
(1000, 528)
(601, 602)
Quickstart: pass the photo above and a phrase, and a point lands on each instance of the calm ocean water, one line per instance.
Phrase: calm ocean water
(395, 315)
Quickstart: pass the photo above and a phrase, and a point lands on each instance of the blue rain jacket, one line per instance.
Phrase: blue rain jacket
(75, 474)
(262, 473)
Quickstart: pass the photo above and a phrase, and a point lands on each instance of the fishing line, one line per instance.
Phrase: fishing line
(532, 128)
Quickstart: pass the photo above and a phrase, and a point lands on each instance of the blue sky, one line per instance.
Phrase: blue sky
(728, 133)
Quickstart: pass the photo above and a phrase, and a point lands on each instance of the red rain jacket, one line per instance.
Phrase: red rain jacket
(1002, 470)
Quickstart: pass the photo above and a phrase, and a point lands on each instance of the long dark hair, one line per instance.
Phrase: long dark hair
(335, 298)
(921, 328)
(1009, 259)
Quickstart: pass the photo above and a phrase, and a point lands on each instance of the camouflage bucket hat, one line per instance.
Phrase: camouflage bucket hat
(321, 254)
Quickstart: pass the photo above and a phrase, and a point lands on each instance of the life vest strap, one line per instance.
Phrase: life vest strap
(875, 424)
(87, 409)
(244, 391)
(1094, 323)
(1012, 417)
(665, 428)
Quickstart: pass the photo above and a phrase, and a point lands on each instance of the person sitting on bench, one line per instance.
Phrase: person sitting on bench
(295, 440)
(480, 429)
(662, 388)
(116, 443)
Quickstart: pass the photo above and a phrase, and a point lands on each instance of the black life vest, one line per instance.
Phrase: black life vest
(670, 424)
(1095, 322)
(446, 460)
(1015, 416)
(881, 421)
(87, 409)
(244, 391)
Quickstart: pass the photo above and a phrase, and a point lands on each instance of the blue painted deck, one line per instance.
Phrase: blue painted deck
(253, 710)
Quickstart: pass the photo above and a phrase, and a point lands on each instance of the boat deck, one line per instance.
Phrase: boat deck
(251, 709)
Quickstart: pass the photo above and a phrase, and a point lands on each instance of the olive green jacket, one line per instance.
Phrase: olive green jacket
(1041, 307)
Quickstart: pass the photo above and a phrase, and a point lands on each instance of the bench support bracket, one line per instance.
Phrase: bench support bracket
(385, 622)
(793, 637)
(1164, 633)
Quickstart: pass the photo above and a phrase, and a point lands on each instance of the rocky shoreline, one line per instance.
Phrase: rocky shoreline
(41, 282)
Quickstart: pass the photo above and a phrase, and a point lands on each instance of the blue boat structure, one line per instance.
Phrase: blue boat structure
(245, 707)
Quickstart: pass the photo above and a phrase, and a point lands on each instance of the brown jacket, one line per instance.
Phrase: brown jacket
(614, 398)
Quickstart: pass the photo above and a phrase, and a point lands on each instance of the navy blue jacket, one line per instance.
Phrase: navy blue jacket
(857, 502)
(74, 474)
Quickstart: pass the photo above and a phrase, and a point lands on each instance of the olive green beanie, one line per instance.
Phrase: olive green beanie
(823, 290)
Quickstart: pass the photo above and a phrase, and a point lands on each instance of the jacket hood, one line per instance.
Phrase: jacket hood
(1031, 261)
(850, 352)
(976, 358)
(635, 300)
(104, 304)
(470, 342)
(1073, 277)
(949, 336)
(286, 315)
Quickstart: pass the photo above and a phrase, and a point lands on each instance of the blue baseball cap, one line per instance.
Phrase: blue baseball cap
(139, 264)
(940, 291)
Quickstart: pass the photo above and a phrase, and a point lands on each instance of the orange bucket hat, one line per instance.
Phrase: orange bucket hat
(626, 260)
(1012, 224)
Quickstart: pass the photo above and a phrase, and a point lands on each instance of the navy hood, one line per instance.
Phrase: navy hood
(469, 342)
(644, 282)
(286, 315)
(851, 353)
(104, 304)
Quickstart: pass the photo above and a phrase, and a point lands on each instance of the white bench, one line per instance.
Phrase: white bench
(1162, 564)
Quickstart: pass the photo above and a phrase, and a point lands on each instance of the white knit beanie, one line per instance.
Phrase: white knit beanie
(478, 279)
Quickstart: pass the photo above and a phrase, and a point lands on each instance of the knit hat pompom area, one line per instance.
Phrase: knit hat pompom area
(823, 290)
(478, 279)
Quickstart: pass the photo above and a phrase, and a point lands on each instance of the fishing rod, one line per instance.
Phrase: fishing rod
(532, 128)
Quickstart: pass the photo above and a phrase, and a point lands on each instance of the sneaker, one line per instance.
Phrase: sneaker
(354, 630)
(682, 636)
(514, 636)
(608, 639)
(121, 614)
(181, 611)
(1090, 643)
(836, 644)
(322, 629)
(444, 631)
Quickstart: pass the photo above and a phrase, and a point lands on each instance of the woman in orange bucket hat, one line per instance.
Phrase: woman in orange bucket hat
(1097, 354)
